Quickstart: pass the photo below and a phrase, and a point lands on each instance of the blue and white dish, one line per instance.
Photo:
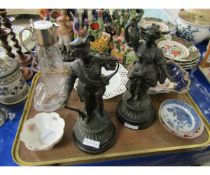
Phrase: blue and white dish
(193, 135)
(179, 117)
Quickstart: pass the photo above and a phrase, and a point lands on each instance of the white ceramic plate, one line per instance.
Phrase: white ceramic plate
(116, 84)
(42, 131)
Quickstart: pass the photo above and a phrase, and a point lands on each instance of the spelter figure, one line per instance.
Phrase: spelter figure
(93, 122)
(135, 108)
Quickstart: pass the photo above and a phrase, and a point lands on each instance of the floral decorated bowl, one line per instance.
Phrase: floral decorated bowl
(190, 31)
(42, 131)
(180, 84)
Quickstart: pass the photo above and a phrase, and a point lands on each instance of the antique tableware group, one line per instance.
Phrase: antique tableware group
(98, 76)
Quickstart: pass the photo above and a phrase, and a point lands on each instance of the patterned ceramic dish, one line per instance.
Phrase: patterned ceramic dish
(178, 49)
(165, 26)
(180, 118)
(43, 131)
(193, 135)
(181, 82)
(116, 83)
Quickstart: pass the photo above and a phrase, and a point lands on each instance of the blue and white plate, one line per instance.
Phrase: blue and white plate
(180, 118)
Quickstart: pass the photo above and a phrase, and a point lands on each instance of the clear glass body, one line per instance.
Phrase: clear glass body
(50, 91)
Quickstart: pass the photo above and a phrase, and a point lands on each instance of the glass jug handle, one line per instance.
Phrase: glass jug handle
(21, 37)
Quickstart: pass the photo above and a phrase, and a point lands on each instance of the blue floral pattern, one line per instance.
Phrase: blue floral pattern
(182, 118)
(186, 32)
(179, 117)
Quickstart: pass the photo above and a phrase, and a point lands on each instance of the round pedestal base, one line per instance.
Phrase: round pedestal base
(91, 150)
(96, 135)
(27, 72)
(25, 61)
(135, 119)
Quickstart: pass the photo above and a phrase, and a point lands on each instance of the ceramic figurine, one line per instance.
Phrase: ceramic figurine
(107, 20)
(85, 22)
(116, 22)
(101, 44)
(94, 15)
(79, 31)
(135, 108)
(64, 31)
(93, 131)
(44, 14)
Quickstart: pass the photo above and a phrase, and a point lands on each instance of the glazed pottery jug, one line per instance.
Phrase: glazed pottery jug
(13, 88)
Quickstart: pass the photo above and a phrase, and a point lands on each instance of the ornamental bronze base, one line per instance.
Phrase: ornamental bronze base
(136, 118)
(99, 129)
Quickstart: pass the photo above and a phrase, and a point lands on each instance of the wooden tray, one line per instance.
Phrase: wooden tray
(129, 143)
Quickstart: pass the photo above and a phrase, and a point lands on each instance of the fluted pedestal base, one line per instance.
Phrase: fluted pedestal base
(134, 117)
(96, 136)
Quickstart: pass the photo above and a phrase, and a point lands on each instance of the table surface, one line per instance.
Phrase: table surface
(199, 90)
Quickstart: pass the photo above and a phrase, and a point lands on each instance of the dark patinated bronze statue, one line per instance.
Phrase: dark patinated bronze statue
(93, 132)
(135, 109)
